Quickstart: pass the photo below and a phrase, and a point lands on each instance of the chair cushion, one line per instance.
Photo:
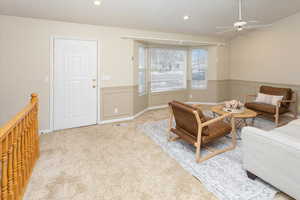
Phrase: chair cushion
(185, 118)
(213, 132)
(263, 107)
(285, 92)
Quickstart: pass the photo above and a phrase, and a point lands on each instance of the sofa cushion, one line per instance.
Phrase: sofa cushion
(285, 92)
(263, 107)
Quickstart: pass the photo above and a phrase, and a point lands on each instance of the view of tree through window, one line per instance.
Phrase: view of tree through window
(168, 69)
(199, 68)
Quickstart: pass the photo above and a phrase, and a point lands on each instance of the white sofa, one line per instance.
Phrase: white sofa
(274, 156)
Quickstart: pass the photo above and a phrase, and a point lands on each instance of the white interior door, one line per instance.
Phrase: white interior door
(75, 83)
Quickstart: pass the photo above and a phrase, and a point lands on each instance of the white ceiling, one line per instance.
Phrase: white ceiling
(160, 15)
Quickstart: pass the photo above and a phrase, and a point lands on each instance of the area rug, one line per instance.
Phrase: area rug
(223, 175)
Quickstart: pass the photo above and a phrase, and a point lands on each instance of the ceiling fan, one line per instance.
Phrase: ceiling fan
(241, 24)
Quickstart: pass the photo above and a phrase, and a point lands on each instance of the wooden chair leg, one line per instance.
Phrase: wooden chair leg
(276, 120)
(296, 112)
(277, 115)
(173, 139)
(170, 123)
(233, 132)
(251, 175)
(198, 150)
(198, 153)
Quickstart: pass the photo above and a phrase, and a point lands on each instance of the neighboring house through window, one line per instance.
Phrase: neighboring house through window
(168, 69)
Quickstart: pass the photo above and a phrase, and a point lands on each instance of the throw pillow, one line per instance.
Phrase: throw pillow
(275, 99)
(268, 99)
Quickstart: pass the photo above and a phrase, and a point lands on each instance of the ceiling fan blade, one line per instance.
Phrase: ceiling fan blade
(253, 21)
(258, 26)
(225, 31)
(223, 27)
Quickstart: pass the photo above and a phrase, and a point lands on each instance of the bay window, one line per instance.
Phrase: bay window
(142, 70)
(199, 68)
(167, 69)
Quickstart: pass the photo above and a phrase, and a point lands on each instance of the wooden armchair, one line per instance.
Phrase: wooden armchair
(195, 128)
(283, 106)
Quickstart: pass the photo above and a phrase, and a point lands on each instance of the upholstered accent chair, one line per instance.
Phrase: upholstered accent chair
(274, 111)
(195, 128)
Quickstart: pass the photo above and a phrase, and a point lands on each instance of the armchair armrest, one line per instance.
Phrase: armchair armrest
(287, 101)
(279, 102)
(216, 119)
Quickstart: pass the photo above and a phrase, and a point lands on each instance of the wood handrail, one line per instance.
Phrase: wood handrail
(19, 150)
(19, 117)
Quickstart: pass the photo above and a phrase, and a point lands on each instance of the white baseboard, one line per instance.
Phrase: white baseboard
(115, 120)
(136, 115)
(150, 108)
(156, 107)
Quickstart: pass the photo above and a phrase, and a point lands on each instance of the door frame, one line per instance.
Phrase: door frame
(51, 78)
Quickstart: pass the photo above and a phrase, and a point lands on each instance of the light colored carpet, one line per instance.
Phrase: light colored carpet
(109, 162)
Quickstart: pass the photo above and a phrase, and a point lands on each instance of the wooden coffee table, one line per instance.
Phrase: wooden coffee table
(240, 118)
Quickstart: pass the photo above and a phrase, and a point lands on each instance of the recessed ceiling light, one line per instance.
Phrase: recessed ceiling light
(97, 3)
(186, 17)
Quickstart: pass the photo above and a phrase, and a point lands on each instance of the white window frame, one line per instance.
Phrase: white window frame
(185, 68)
(200, 87)
(144, 92)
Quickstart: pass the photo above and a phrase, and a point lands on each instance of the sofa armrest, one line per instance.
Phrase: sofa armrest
(274, 157)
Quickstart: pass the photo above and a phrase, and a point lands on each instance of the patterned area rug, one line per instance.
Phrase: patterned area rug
(223, 175)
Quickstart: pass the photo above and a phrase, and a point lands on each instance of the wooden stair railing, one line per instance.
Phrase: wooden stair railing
(19, 150)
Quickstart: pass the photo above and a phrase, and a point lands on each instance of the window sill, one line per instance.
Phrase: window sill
(143, 94)
(167, 91)
(200, 88)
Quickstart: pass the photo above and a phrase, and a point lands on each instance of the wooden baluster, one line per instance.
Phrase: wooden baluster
(4, 177)
(36, 132)
(10, 167)
(32, 141)
(34, 100)
(23, 155)
(29, 144)
(26, 150)
(20, 172)
(15, 161)
(1, 168)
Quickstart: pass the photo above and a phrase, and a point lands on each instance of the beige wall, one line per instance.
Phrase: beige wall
(268, 55)
(25, 61)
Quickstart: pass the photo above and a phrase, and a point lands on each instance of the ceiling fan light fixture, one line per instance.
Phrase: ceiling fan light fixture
(240, 24)
(240, 28)
(186, 17)
(97, 3)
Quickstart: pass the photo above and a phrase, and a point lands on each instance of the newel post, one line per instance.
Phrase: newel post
(34, 98)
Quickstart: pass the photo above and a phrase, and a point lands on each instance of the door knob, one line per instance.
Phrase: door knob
(94, 86)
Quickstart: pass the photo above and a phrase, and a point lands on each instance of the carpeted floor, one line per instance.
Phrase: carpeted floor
(111, 162)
